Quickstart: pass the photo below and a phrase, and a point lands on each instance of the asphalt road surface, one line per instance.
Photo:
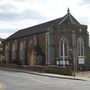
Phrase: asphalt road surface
(24, 81)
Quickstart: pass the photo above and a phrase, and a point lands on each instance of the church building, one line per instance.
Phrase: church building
(63, 41)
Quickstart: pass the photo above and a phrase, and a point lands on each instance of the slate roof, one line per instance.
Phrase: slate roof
(34, 29)
(43, 27)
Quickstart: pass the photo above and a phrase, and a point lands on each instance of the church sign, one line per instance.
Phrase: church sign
(81, 60)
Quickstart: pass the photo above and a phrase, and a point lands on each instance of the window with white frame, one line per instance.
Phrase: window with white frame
(80, 47)
(63, 47)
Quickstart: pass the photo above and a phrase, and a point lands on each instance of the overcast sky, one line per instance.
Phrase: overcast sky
(19, 14)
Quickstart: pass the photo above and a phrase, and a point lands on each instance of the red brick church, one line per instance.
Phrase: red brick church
(63, 41)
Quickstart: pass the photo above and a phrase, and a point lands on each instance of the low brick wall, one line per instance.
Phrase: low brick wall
(67, 70)
(37, 68)
(85, 67)
(9, 65)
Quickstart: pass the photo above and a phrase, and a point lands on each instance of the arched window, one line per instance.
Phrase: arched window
(30, 48)
(21, 50)
(7, 49)
(6, 52)
(13, 51)
(80, 47)
(63, 46)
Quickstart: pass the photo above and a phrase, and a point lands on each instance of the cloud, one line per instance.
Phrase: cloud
(8, 7)
(10, 12)
(31, 14)
(20, 0)
(33, 1)
(7, 12)
(85, 20)
(85, 2)
(6, 32)
(8, 16)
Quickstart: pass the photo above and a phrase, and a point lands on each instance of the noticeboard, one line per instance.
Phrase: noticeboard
(81, 60)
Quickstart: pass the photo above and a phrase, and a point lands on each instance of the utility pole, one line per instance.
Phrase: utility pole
(74, 52)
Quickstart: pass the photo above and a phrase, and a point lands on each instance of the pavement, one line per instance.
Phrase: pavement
(77, 77)
(83, 74)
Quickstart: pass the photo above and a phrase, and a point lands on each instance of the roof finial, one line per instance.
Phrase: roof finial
(68, 10)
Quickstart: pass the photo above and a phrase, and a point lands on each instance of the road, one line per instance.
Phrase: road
(24, 81)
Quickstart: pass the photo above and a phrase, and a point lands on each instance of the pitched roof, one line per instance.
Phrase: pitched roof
(34, 29)
(70, 18)
(43, 27)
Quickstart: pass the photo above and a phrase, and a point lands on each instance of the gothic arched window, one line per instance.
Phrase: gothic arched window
(6, 52)
(63, 46)
(14, 48)
(7, 49)
(21, 50)
(80, 47)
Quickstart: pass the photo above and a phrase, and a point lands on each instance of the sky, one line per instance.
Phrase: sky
(19, 14)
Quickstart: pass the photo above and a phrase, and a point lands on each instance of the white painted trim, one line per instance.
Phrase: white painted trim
(63, 38)
(62, 42)
(80, 41)
(63, 53)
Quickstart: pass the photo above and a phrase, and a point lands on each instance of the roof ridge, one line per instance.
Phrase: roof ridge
(72, 19)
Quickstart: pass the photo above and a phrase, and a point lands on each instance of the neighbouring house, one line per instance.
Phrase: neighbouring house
(63, 41)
